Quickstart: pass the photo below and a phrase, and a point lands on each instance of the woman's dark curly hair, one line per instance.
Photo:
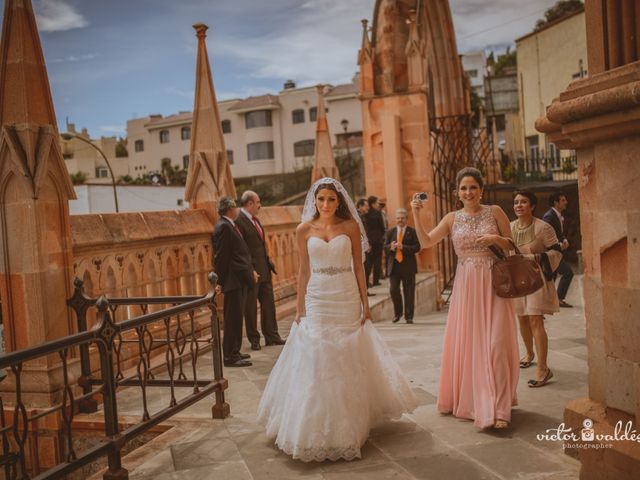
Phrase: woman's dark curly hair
(529, 195)
(342, 211)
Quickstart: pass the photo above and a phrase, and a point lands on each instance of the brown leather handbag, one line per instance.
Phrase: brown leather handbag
(516, 275)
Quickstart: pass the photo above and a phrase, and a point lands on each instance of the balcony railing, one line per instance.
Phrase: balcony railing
(172, 329)
(540, 168)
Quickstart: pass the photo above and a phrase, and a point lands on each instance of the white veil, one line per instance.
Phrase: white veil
(309, 210)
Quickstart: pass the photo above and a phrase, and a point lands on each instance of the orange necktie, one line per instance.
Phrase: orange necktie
(399, 256)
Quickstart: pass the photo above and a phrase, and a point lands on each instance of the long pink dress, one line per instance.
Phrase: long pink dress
(480, 359)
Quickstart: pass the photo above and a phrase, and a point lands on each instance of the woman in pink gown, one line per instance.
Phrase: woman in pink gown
(480, 360)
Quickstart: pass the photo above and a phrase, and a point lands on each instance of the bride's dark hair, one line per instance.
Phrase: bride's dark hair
(342, 211)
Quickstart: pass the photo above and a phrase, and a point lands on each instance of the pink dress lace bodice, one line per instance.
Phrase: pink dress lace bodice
(467, 228)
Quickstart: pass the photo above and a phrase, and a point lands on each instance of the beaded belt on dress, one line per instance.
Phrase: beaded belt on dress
(331, 270)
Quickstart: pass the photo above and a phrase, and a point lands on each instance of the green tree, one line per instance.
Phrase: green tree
(561, 9)
(121, 149)
(78, 178)
(509, 59)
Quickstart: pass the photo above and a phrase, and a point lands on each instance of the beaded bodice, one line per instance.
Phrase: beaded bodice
(467, 228)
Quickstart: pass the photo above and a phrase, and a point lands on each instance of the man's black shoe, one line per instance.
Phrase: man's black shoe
(237, 362)
(369, 294)
(278, 341)
(395, 319)
(409, 320)
(244, 356)
(564, 304)
(256, 346)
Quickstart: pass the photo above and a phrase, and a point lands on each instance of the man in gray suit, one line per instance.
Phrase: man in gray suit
(262, 291)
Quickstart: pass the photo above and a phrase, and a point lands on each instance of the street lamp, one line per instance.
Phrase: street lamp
(345, 126)
(69, 136)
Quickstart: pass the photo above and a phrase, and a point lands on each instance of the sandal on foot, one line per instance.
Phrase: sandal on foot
(527, 363)
(501, 424)
(541, 383)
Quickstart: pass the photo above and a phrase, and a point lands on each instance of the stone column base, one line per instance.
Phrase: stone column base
(619, 462)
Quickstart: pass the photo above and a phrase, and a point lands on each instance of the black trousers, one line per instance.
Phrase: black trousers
(376, 261)
(261, 292)
(408, 281)
(234, 303)
(566, 275)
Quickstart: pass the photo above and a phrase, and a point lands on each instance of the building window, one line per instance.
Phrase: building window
(533, 146)
(102, 172)
(226, 126)
(139, 146)
(164, 136)
(185, 161)
(554, 156)
(260, 151)
(313, 114)
(472, 73)
(259, 118)
(297, 116)
(185, 133)
(230, 157)
(304, 148)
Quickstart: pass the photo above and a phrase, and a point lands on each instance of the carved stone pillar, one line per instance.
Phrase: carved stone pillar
(599, 117)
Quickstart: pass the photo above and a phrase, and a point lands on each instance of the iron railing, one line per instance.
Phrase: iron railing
(540, 168)
(173, 329)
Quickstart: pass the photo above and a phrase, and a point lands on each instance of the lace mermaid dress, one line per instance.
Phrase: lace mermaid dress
(480, 361)
(334, 379)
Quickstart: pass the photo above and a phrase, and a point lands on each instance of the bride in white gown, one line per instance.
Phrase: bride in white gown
(335, 377)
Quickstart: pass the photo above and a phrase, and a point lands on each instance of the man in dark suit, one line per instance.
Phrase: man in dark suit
(553, 216)
(255, 236)
(363, 209)
(375, 233)
(232, 263)
(401, 245)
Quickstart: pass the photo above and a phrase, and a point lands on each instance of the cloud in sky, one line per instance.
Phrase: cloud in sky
(57, 15)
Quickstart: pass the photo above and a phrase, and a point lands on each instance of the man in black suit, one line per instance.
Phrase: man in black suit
(375, 233)
(254, 235)
(553, 216)
(232, 263)
(401, 245)
(363, 209)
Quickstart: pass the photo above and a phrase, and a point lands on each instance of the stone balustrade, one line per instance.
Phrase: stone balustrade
(168, 253)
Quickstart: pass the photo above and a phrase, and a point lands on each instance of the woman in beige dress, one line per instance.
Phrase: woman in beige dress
(535, 236)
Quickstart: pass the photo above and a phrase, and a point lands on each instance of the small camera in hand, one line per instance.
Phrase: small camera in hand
(422, 196)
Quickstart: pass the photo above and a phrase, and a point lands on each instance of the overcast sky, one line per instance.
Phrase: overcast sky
(109, 61)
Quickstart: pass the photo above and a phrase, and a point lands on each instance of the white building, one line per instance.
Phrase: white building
(475, 66)
(264, 135)
(131, 198)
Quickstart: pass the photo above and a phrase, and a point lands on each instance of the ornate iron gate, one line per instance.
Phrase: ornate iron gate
(454, 145)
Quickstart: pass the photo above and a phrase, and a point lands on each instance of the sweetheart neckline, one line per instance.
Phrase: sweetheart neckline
(328, 241)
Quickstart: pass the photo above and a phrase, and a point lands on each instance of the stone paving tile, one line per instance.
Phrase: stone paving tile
(221, 470)
(446, 465)
(513, 459)
(370, 472)
(204, 452)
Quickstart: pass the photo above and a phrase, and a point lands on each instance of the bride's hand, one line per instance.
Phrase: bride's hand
(366, 315)
(298, 318)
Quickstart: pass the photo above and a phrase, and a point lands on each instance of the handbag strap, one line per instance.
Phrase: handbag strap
(498, 253)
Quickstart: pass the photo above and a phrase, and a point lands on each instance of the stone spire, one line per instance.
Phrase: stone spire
(365, 61)
(35, 235)
(415, 51)
(324, 164)
(209, 176)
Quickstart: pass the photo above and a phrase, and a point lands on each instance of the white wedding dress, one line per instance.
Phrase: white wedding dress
(335, 378)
